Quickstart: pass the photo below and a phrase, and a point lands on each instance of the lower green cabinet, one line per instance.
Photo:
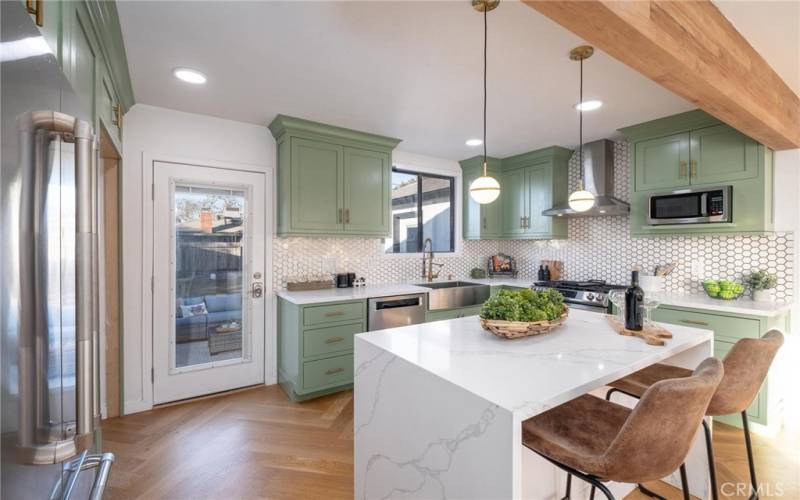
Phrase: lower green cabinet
(729, 328)
(461, 312)
(315, 346)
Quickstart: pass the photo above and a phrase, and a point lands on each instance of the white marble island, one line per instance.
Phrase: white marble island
(439, 406)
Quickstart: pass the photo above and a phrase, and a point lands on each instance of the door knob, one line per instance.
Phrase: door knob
(257, 290)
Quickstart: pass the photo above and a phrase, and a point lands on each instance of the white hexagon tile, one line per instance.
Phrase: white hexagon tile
(597, 248)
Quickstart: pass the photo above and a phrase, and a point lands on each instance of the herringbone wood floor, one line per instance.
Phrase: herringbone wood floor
(257, 444)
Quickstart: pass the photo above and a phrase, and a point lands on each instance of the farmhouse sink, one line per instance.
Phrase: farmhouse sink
(454, 294)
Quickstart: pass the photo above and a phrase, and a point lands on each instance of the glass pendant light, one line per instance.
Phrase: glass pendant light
(484, 189)
(581, 200)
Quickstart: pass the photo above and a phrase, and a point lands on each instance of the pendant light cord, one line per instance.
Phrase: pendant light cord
(485, 42)
(580, 126)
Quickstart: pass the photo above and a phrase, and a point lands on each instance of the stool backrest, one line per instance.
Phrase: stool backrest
(658, 434)
(746, 367)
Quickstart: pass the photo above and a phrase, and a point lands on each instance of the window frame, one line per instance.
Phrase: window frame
(453, 196)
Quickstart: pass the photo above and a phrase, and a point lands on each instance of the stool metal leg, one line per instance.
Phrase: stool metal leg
(753, 480)
(591, 494)
(685, 483)
(569, 487)
(650, 493)
(594, 481)
(712, 468)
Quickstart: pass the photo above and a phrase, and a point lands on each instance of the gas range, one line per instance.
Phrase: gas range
(591, 294)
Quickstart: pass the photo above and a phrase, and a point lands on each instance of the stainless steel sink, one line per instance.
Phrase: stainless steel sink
(453, 294)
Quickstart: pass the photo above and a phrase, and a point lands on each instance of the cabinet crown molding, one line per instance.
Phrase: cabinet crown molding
(284, 124)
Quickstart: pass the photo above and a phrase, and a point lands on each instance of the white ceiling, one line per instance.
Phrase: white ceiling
(411, 70)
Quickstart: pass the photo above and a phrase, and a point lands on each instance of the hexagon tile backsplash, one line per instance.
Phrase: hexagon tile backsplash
(597, 248)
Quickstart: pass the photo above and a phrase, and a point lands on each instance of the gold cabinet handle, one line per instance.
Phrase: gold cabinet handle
(333, 371)
(694, 168)
(682, 172)
(334, 314)
(522, 222)
(36, 7)
(339, 217)
(527, 222)
(333, 340)
(693, 322)
(484, 222)
(347, 216)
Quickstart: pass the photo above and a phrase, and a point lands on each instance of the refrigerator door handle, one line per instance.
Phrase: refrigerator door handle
(34, 128)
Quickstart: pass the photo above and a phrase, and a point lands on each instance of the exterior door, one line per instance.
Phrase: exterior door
(366, 189)
(721, 154)
(208, 268)
(663, 163)
(514, 194)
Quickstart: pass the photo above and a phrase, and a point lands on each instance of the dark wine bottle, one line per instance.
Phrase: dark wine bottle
(547, 273)
(634, 296)
(540, 274)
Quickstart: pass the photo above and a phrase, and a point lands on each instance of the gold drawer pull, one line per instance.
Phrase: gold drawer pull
(333, 340)
(334, 314)
(693, 322)
(694, 168)
(334, 371)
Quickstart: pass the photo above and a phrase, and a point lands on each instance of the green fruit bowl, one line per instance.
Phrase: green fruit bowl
(723, 289)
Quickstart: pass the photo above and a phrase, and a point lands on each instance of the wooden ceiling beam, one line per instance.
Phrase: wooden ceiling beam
(693, 50)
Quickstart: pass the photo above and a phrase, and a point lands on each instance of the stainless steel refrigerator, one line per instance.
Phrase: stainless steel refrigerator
(49, 275)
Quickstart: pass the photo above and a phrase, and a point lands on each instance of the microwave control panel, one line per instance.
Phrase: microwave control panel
(716, 203)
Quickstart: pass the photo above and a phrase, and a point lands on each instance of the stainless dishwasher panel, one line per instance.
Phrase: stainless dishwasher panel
(399, 310)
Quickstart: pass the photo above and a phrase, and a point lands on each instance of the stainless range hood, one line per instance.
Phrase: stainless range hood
(598, 178)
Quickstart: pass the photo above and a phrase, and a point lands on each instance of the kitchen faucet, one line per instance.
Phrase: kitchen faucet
(427, 268)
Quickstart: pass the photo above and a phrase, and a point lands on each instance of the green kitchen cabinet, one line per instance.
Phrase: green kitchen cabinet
(728, 328)
(538, 179)
(109, 107)
(662, 163)
(461, 312)
(515, 202)
(480, 221)
(331, 180)
(80, 54)
(47, 16)
(696, 150)
(315, 346)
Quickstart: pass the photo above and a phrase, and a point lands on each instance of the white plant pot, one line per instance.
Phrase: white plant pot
(763, 296)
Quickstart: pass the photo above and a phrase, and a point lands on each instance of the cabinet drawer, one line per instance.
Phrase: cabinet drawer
(332, 339)
(328, 372)
(452, 313)
(725, 328)
(348, 311)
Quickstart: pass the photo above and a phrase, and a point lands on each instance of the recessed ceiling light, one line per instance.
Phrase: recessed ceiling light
(589, 105)
(189, 75)
(474, 142)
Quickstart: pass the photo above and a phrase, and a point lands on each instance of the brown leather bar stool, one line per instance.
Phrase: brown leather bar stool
(746, 367)
(597, 440)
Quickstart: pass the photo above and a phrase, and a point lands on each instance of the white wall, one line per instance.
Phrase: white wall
(156, 133)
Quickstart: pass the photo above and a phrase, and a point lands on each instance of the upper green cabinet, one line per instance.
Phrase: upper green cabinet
(331, 180)
(694, 149)
(529, 183)
(86, 38)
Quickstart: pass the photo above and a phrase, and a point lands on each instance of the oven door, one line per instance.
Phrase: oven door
(690, 206)
(587, 307)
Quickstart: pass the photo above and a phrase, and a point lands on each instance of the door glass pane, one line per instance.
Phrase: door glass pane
(208, 272)
(405, 230)
(437, 216)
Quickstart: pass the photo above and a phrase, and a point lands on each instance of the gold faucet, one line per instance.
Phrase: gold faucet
(427, 268)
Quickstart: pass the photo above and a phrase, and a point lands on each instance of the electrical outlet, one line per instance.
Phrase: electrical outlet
(698, 269)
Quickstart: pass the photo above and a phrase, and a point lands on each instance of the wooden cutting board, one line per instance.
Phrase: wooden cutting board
(651, 334)
(556, 268)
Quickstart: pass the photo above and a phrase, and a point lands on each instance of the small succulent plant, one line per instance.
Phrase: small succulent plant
(762, 280)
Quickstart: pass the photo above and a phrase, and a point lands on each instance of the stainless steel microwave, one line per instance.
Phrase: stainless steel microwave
(691, 206)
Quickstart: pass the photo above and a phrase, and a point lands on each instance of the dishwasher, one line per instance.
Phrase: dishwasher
(398, 310)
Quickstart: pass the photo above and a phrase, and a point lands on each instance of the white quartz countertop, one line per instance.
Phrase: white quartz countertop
(380, 290)
(527, 376)
(743, 305)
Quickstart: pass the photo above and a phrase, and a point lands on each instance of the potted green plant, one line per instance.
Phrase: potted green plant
(762, 283)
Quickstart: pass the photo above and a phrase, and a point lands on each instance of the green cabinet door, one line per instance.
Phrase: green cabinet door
(481, 221)
(367, 181)
(79, 52)
(662, 163)
(514, 201)
(538, 178)
(317, 172)
(492, 216)
(108, 114)
(721, 154)
(49, 22)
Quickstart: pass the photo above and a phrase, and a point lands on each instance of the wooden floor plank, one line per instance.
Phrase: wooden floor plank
(257, 444)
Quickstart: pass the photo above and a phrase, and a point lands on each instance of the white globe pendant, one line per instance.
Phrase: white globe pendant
(581, 201)
(484, 189)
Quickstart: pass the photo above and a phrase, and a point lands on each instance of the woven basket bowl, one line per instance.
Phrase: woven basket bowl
(519, 329)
